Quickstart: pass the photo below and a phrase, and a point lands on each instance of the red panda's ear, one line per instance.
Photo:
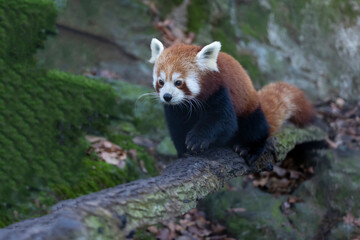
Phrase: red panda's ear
(156, 49)
(207, 57)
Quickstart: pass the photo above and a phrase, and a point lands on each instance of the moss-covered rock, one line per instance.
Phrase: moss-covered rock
(44, 117)
(24, 26)
(117, 37)
(336, 187)
(331, 194)
(249, 213)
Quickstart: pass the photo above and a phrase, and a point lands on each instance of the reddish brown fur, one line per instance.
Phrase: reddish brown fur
(242, 92)
(182, 59)
(157, 88)
(279, 101)
(185, 89)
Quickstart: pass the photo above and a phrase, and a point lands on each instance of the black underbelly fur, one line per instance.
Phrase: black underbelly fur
(194, 128)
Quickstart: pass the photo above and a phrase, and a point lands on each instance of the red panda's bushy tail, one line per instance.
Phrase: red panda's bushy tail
(282, 101)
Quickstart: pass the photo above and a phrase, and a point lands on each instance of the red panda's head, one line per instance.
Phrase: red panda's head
(178, 69)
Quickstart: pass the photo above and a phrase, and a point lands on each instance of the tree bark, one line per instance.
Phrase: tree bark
(114, 213)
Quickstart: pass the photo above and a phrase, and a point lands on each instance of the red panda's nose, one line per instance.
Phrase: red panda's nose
(167, 97)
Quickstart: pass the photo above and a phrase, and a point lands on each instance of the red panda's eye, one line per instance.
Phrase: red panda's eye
(178, 83)
(161, 82)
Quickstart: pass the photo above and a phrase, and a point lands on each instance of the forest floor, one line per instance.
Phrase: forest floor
(342, 121)
(340, 118)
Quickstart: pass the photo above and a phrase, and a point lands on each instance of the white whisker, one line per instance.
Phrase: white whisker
(152, 95)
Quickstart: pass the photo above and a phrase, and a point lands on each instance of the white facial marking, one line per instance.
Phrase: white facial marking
(175, 76)
(154, 76)
(162, 75)
(207, 57)
(176, 94)
(192, 82)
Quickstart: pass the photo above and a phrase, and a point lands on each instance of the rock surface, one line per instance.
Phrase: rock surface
(313, 44)
(112, 35)
(328, 206)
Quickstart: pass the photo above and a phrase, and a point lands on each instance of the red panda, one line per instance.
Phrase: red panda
(209, 100)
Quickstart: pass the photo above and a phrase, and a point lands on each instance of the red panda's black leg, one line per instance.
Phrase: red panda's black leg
(216, 125)
(179, 122)
(250, 139)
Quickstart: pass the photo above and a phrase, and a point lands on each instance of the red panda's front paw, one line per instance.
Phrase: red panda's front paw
(250, 155)
(240, 150)
(195, 143)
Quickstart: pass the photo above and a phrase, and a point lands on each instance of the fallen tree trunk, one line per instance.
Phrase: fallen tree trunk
(113, 213)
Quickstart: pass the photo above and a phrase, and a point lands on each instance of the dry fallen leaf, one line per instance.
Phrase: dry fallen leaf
(262, 182)
(293, 199)
(340, 102)
(279, 171)
(193, 225)
(357, 222)
(348, 218)
(153, 229)
(294, 174)
(217, 228)
(108, 151)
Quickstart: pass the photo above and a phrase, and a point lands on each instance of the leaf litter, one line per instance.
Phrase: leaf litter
(343, 119)
(191, 226)
(108, 151)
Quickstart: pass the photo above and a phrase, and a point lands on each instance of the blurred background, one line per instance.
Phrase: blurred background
(80, 65)
(313, 44)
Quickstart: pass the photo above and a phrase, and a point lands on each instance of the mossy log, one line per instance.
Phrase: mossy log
(114, 213)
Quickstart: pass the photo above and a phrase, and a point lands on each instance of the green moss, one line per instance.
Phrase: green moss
(335, 188)
(288, 137)
(252, 19)
(23, 28)
(261, 215)
(198, 14)
(337, 11)
(346, 8)
(249, 62)
(142, 234)
(94, 176)
(165, 7)
(224, 32)
(44, 117)
(96, 225)
(290, 14)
